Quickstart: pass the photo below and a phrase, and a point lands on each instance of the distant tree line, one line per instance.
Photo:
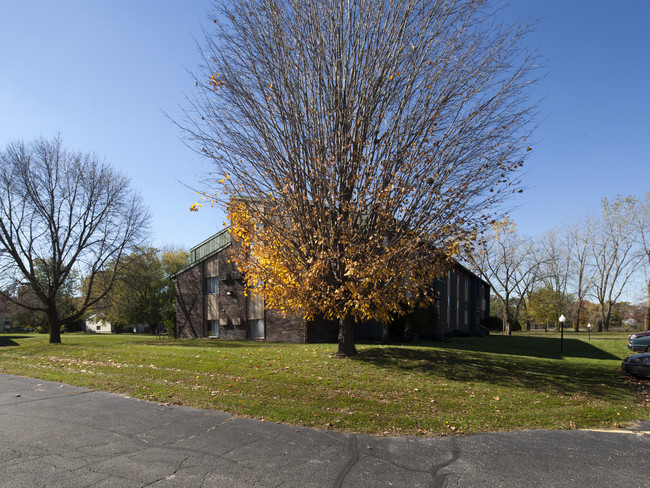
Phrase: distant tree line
(583, 269)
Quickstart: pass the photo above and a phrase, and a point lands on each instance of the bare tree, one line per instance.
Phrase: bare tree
(642, 223)
(381, 135)
(510, 264)
(581, 278)
(555, 269)
(614, 253)
(62, 214)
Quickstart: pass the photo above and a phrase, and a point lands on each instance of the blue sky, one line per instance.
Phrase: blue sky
(104, 73)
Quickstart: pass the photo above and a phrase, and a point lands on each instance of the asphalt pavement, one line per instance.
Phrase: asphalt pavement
(56, 435)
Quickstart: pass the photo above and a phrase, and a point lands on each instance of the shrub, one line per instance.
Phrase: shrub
(492, 323)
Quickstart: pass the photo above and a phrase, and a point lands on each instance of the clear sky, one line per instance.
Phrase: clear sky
(104, 73)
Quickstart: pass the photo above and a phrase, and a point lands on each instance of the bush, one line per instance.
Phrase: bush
(460, 333)
(515, 326)
(421, 324)
(493, 323)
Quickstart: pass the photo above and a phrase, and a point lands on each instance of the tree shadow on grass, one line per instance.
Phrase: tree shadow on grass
(9, 340)
(574, 379)
(540, 347)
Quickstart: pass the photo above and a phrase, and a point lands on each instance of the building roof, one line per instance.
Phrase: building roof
(208, 248)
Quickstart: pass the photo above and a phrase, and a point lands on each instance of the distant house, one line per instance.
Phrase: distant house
(210, 302)
(98, 325)
(630, 322)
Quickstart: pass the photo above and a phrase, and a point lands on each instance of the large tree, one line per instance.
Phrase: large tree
(362, 143)
(63, 214)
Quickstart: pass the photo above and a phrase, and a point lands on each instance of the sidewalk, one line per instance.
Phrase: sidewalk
(55, 435)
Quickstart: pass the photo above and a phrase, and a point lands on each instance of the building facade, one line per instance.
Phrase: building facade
(211, 303)
(463, 301)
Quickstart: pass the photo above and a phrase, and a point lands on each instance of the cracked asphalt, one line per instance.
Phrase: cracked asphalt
(56, 435)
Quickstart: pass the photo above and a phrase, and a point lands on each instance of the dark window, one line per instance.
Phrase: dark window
(212, 328)
(212, 285)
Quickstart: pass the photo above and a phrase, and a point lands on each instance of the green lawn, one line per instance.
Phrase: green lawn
(467, 385)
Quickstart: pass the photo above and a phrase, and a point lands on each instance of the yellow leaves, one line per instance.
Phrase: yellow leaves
(214, 83)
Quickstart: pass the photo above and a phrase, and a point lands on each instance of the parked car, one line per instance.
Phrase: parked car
(639, 342)
(638, 365)
(638, 334)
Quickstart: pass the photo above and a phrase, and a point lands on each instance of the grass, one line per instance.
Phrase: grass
(465, 386)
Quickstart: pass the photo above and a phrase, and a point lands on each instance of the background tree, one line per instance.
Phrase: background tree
(554, 273)
(136, 294)
(642, 223)
(581, 277)
(545, 305)
(143, 292)
(509, 263)
(615, 259)
(362, 143)
(62, 215)
(172, 261)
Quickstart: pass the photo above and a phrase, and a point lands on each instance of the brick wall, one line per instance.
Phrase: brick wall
(285, 329)
(232, 300)
(189, 303)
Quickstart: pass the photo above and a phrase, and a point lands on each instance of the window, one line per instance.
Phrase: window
(212, 285)
(99, 327)
(212, 328)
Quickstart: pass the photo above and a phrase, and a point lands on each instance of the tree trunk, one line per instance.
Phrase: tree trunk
(507, 330)
(602, 318)
(55, 327)
(576, 322)
(346, 337)
(647, 312)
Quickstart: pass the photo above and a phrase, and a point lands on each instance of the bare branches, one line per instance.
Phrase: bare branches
(373, 127)
(510, 264)
(61, 213)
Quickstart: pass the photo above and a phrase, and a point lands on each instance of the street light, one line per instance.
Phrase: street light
(562, 319)
(589, 331)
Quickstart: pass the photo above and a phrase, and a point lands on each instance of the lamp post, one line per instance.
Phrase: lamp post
(589, 331)
(562, 319)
